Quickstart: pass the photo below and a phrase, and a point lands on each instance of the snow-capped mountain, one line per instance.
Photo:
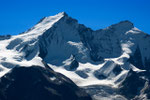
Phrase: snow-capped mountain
(109, 57)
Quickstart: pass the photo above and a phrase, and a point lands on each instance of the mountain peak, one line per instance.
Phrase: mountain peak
(57, 16)
(45, 23)
(123, 25)
(63, 13)
(126, 22)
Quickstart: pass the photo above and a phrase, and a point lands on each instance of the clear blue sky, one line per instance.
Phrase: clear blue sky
(17, 16)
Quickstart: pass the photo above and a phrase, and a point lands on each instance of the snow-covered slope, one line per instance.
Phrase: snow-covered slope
(88, 57)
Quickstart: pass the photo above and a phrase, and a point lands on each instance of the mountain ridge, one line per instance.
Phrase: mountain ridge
(88, 57)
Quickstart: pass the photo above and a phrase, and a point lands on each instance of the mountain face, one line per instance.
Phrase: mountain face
(101, 60)
(37, 83)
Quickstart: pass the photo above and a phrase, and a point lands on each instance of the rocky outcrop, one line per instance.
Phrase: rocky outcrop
(135, 86)
(37, 83)
(4, 37)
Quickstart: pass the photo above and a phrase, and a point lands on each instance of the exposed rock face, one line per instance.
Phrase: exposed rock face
(136, 59)
(4, 37)
(132, 84)
(37, 83)
(135, 86)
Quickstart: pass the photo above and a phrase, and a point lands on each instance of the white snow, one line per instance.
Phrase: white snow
(3, 70)
(41, 27)
(14, 57)
(52, 78)
(67, 42)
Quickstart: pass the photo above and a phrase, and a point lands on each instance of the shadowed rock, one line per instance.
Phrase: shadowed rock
(37, 83)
